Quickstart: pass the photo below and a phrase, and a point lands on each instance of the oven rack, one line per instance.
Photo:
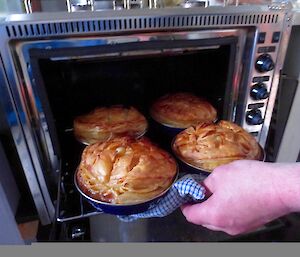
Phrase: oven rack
(70, 204)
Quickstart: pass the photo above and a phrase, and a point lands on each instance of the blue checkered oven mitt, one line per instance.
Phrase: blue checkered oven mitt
(186, 189)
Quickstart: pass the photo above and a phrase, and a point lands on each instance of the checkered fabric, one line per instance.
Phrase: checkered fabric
(186, 189)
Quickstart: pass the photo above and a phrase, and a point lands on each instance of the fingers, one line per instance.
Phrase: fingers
(230, 231)
(200, 214)
(209, 184)
(214, 180)
(206, 215)
(209, 188)
(212, 227)
(197, 213)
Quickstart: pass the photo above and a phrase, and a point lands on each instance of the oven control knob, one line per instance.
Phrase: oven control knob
(254, 117)
(259, 91)
(264, 63)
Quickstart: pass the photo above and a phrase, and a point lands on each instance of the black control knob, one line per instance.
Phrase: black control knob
(259, 91)
(264, 63)
(254, 117)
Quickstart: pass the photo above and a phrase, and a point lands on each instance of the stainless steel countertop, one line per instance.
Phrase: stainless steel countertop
(173, 228)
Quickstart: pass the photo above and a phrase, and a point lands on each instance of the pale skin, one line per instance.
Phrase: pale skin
(246, 195)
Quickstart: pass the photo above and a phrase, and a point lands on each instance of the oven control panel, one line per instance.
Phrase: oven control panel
(260, 83)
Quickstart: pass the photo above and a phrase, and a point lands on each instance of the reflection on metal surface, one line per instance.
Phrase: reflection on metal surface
(77, 232)
(172, 228)
(17, 122)
(101, 229)
(94, 5)
(80, 5)
(194, 3)
(28, 7)
(32, 6)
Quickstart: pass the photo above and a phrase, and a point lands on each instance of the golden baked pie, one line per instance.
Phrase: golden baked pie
(108, 122)
(181, 110)
(125, 170)
(207, 146)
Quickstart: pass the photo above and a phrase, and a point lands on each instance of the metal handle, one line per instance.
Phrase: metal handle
(131, 4)
(28, 6)
(89, 3)
(77, 232)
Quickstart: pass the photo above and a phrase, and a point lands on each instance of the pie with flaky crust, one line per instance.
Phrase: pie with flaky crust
(109, 122)
(181, 110)
(207, 146)
(125, 170)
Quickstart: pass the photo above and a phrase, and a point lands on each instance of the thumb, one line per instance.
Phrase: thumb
(209, 184)
(200, 213)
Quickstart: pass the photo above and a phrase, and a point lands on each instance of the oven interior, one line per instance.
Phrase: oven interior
(74, 86)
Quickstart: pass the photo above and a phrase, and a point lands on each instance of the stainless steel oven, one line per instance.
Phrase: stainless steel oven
(55, 66)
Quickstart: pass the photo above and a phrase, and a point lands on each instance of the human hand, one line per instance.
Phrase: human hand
(246, 195)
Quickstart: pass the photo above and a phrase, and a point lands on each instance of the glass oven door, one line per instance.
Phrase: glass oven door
(64, 78)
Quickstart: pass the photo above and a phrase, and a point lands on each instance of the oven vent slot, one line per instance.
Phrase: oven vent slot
(136, 23)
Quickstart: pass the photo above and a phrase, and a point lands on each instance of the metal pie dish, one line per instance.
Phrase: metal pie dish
(111, 137)
(124, 209)
(166, 130)
(188, 167)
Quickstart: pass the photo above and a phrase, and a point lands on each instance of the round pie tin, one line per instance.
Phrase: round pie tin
(113, 136)
(124, 209)
(185, 166)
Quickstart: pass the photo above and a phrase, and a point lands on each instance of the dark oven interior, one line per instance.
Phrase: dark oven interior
(74, 86)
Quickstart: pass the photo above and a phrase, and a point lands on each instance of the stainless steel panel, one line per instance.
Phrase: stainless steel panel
(8, 182)
(278, 56)
(172, 228)
(9, 233)
(296, 17)
(17, 121)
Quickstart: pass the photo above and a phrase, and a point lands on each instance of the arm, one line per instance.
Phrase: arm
(246, 195)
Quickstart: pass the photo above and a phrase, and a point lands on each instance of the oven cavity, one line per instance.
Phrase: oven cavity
(76, 85)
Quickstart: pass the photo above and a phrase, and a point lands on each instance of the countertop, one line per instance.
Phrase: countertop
(175, 228)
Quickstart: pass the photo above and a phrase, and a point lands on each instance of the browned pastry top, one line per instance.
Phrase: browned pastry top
(108, 122)
(209, 145)
(125, 170)
(182, 110)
